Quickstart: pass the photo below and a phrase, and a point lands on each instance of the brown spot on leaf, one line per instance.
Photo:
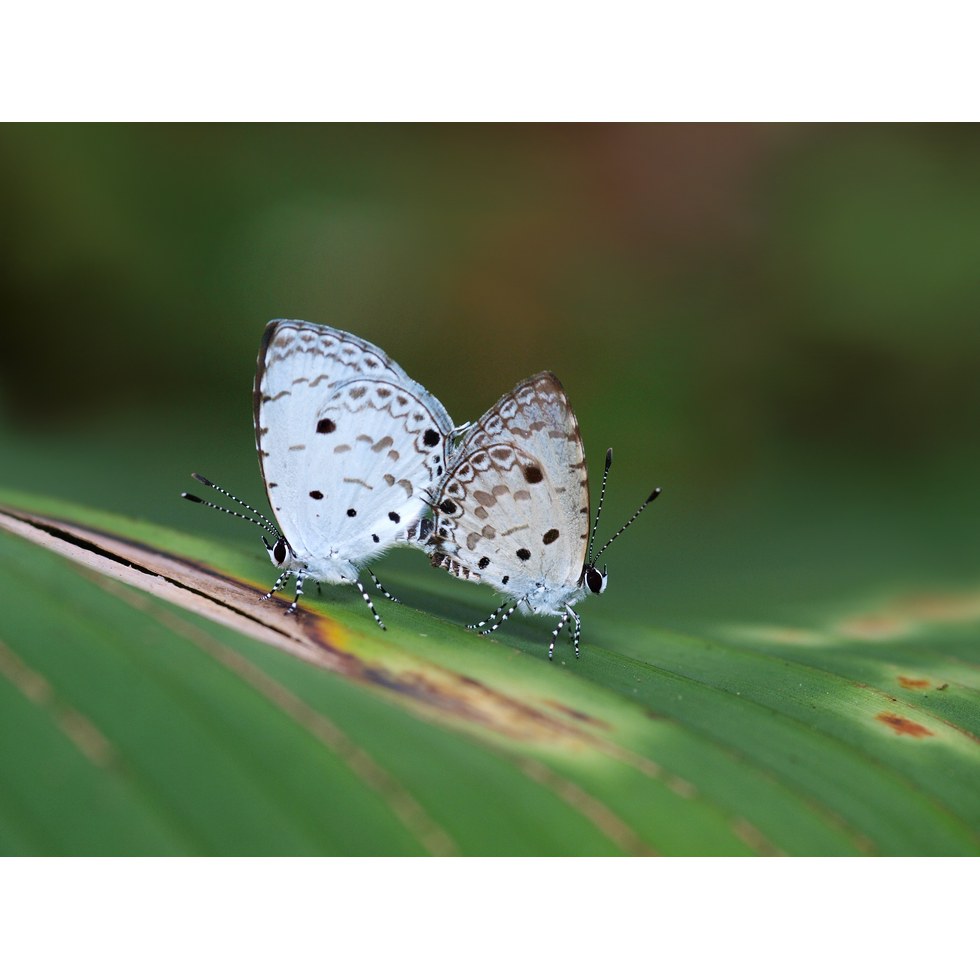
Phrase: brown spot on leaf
(912, 683)
(903, 726)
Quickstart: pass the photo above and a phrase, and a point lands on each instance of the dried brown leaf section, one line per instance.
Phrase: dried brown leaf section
(310, 636)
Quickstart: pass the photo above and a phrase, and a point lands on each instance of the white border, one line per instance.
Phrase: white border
(563, 918)
(527, 60)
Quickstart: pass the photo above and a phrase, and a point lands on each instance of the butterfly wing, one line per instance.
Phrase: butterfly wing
(350, 447)
(513, 510)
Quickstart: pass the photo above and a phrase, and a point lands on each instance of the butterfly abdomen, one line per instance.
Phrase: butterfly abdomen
(451, 565)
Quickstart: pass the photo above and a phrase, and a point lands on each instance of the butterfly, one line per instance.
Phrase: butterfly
(512, 509)
(350, 449)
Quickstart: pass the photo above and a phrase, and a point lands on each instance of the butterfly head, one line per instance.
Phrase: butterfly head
(595, 581)
(279, 553)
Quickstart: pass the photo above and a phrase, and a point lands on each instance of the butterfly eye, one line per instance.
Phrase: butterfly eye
(279, 552)
(594, 579)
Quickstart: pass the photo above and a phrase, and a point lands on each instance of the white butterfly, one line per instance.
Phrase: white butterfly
(350, 449)
(513, 508)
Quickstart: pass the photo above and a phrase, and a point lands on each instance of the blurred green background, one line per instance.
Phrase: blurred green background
(779, 324)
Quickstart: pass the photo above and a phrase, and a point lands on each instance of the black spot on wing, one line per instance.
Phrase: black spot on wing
(523, 554)
(325, 426)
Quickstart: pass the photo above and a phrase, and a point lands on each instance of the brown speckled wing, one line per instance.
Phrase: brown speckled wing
(513, 510)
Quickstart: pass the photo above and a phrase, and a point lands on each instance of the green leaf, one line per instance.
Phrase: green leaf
(151, 704)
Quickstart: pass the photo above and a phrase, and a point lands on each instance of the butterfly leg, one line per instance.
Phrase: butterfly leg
(294, 605)
(278, 585)
(381, 588)
(490, 618)
(556, 631)
(576, 633)
(367, 599)
(503, 619)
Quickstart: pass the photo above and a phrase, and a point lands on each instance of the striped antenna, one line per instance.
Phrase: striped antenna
(263, 521)
(639, 510)
(602, 497)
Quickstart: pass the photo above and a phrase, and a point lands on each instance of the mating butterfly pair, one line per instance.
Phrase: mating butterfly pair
(357, 457)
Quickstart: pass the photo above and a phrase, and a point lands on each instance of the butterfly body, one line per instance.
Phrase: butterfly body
(349, 447)
(513, 509)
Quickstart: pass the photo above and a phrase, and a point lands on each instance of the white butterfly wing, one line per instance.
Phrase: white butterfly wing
(350, 447)
(513, 510)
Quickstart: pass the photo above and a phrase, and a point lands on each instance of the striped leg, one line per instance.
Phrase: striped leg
(294, 605)
(503, 619)
(278, 585)
(556, 631)
(381, 588)
(490, 618)
(576, 633)
(367, 599)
